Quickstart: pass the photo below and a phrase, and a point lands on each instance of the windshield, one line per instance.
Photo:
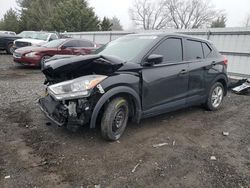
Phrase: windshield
(26, 34)
(34, 35)
(128, 47)
(54, 43)
(40, 36)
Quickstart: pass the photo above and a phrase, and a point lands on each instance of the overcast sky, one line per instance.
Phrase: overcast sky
(236, 10)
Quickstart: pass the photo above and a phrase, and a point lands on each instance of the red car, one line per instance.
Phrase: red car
(36, 55)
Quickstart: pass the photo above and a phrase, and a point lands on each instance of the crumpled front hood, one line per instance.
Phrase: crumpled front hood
(65, 67)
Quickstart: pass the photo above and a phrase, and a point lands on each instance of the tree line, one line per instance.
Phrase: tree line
(56, 15)
(178, 14)
(77, 16)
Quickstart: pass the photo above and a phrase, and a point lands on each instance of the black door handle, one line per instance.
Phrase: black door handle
(214, 63)
(183, 71)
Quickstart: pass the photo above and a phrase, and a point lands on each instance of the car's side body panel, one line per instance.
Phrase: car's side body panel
(162, 85)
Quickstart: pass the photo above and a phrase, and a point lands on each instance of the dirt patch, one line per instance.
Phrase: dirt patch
(44, 148)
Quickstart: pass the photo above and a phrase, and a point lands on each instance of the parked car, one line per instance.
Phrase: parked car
(37, 38)
(36, 56)
(8, 32)
(6, 42)
(134, 77)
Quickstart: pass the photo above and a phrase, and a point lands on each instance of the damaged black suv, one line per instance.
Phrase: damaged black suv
(133, 77)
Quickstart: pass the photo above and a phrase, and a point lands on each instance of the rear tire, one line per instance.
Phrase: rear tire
(10, 50)
(114, 119)
(215, 97)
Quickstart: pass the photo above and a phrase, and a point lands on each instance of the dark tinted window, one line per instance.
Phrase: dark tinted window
(86, 43)
(207, 50)
(70, 44)
(54, 43)
(171, 49)
(194, 50)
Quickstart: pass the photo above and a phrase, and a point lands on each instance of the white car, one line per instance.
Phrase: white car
(35, 39)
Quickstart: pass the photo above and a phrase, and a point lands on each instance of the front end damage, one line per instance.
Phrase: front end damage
(70, 113)
(74, 86)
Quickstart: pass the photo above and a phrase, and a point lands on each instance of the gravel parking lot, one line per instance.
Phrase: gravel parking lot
(33, 154)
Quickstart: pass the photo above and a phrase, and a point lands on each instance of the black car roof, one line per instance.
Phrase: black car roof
(8, 35)
(165, 34)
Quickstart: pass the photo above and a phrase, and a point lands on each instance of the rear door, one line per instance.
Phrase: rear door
(195, 57)
(165, 85)
(199, 55)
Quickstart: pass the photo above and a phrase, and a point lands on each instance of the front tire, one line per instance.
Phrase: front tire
(215, 97)
(10, 50)
(114, 119)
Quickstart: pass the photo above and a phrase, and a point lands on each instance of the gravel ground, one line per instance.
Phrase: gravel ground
(33, 154)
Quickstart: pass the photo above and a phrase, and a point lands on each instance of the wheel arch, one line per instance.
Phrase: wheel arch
(223, 80)
(125, 91)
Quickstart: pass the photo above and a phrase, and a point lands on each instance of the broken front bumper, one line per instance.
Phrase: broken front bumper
(54, 110)
(72, 113)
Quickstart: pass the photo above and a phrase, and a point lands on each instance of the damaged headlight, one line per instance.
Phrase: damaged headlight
(77, 88)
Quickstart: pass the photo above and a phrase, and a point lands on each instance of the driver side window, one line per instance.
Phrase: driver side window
(171, 50)
(53, 37)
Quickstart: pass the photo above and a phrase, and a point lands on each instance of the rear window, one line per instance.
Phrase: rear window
(208, 52)
(83, 43)
(194, 50)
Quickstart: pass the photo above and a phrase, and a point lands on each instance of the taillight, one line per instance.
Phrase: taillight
(225, 61)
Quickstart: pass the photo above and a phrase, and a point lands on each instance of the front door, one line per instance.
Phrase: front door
(165, 85)
(68, 48)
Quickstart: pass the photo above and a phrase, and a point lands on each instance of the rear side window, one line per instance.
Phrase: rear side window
(53, 37)
(71, 44)
(194, 50)
(170, 49)
(208, 52)
(86, 43)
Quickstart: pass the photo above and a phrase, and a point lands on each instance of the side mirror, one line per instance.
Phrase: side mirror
(154, 59)
(63, 47)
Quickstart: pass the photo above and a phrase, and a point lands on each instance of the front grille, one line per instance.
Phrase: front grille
(20, 44)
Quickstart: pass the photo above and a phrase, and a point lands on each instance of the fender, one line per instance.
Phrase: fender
(109, 94)
(220, 77)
